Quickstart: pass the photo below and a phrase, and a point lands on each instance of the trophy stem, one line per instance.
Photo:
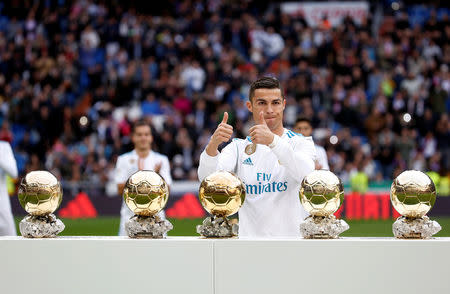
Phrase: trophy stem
(41, 226)
(218, 227)
(149, 227)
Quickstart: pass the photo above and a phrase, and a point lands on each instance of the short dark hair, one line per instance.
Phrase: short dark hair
(140, 123)
(303, 119)
(264, 83)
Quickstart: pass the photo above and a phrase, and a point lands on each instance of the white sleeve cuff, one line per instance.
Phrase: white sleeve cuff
(208, 159)
(275, 140)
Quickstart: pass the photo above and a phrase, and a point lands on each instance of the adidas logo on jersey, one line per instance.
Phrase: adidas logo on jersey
(248, 161)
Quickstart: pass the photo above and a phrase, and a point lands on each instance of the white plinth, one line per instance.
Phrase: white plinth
(67, 265)
(215, 266)
(349, 265)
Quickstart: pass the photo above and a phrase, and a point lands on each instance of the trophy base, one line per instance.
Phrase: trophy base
(147, 227)
(41, 226)
(218, 227)
(415, 228)
(322, 227)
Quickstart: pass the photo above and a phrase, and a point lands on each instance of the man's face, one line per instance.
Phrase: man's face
(271, 103)
(142, 138)
(303, 128)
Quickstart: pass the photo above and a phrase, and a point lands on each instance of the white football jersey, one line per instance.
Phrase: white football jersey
(8, 166)
(127, 164)
(272, 178)
(321, 157)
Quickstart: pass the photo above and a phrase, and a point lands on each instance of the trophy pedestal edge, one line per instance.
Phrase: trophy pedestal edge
(218, 227)
(41, 226)
(147, 227)
(322, 227)
(415, 228)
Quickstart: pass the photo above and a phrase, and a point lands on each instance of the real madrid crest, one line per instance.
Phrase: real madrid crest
(132, 161)
(250, 149)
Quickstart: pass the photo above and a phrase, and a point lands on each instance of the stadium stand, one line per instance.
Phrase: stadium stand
(74, 75)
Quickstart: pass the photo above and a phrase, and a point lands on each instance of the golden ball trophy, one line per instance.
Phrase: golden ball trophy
(221, 194)
(413, 194)
(321, 194)
(146, 193)
(40, 194)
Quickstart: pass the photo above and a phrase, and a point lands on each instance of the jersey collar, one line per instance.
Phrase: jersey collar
(135, 153)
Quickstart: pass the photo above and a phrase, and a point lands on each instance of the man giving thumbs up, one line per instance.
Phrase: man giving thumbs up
(222, 134)
(271, 162)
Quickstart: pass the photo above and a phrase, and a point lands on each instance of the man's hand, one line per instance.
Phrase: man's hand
(222, 134)
(157, 167)
(260, 133)
(317, 165)
(120, 188)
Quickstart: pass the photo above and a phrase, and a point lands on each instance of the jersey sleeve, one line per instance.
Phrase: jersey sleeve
(120, 172)
(165, 171)
(322, 157)
(298, 158)
(8, 162)
(225, 160)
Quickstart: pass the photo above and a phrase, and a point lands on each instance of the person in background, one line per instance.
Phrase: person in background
(8, 167)
(141, 158)
(359, 181)
(303, 126)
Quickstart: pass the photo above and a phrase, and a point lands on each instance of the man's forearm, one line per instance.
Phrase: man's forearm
(207, 165)
(298, 163)
(211, 150)
(9, 166)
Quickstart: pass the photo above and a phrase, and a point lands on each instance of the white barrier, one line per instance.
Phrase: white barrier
(109, 265)
(219, 266)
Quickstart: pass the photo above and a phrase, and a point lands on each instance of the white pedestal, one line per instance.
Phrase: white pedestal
(349, 265)
(219, 266)
(82, 265)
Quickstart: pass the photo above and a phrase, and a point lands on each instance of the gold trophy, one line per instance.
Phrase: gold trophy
(413, 194)
(321, 194)
(221, 194)
(146, 193)
(40, 194)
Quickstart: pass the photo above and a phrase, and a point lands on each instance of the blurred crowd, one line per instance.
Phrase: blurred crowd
(74, 75)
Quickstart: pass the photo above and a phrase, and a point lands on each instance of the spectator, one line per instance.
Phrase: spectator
(74, 76)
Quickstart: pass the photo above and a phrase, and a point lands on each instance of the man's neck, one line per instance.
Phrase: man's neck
(278, 131)
(143, 153)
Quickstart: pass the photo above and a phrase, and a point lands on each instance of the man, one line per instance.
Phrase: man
(271, 162)
(8, 166)
(141, 158)
(303, 126)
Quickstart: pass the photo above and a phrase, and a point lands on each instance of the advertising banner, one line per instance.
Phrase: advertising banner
(315, 12)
